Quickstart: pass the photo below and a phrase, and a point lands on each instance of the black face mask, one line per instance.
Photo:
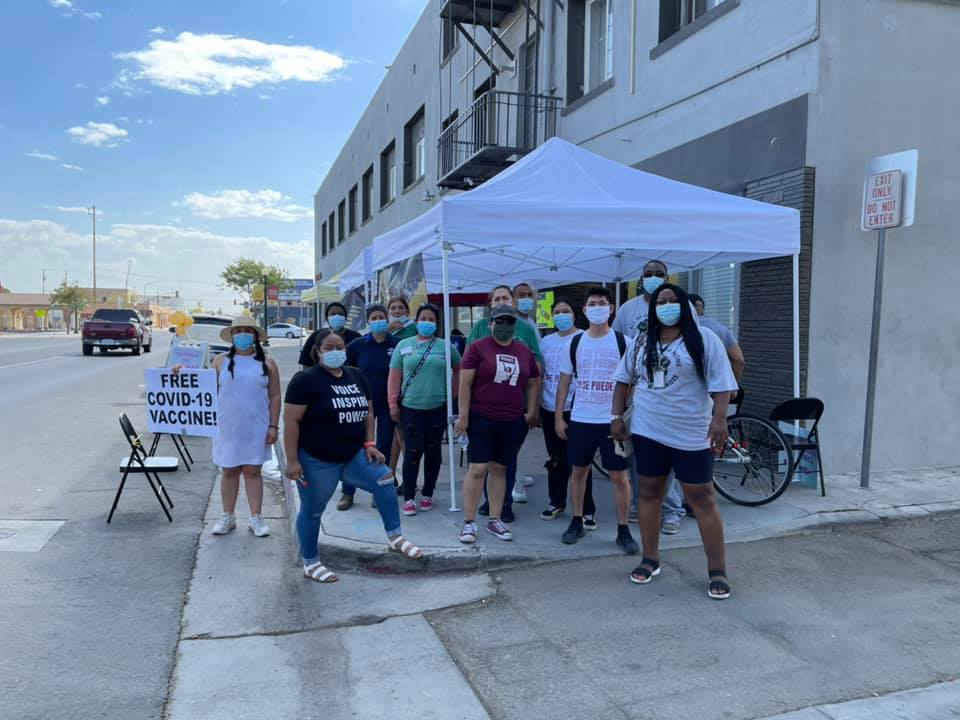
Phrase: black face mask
(504, 331)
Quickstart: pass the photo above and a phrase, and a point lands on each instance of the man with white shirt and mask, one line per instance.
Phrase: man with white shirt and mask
(526, 300)
(632, 320)
(593, 358)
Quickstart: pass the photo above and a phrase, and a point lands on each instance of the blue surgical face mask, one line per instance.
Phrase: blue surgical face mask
(243, 341)
(563, 322)
(402, 319)
(334, 358)
(337, 321)
(378, 326)
(669, 314)
(650, 284)
(598, 314)
(426, 328)
(525, 305)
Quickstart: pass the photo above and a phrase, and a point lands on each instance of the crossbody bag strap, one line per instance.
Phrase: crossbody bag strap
(416, 370)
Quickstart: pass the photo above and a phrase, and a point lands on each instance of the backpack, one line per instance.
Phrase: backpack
(575, 343)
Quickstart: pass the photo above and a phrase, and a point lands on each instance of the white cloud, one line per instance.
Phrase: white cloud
(40, 156)
(79, 86)
(62, 4)
(158, 30)
(161, 252)
(212, 64)
(68, 166)
(263, 204)
(71, 9)
(78, 209)
(103, 100)
(97, 134)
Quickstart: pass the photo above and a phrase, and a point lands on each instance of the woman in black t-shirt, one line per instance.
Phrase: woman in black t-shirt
(328, 438)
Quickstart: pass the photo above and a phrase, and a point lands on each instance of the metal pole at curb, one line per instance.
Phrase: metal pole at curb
(872, 361)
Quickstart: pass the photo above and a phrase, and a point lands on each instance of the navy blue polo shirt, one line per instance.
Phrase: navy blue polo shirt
(373, 360)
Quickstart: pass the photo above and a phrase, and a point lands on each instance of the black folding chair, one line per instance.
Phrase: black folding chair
(803, 439)
(179, 443)
(140, 461)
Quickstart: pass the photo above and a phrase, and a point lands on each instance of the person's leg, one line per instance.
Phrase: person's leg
(413, 425)
(621, 494)
(253, 485)
(230, 488)
(578, 487)
(652, 490)
(672, 508)
(511, 472)
(704, 503)
(386, 428)
(473, 487)
(376, 479)
(496, 486)
(434, 425)
(556, 460)
(321, 481)
(589, 507)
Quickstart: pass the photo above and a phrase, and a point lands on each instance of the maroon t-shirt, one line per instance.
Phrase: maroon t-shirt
(500, 383)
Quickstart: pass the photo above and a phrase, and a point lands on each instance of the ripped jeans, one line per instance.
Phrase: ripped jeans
(322, 478)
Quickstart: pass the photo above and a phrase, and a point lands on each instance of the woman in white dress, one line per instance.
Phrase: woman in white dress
(249, 391)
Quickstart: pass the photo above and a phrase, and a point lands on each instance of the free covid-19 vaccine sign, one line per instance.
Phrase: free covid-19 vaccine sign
(181, 403)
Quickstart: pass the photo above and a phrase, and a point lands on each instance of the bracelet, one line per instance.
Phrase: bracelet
(370, 444)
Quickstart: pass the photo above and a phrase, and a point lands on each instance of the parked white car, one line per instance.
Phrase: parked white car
(285, 330)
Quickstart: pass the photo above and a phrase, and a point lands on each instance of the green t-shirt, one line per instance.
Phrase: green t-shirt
(429, 388)
(525, 334)
(407, 331)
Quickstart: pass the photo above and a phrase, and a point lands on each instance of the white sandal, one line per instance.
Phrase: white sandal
(319, 572)
(405, 547)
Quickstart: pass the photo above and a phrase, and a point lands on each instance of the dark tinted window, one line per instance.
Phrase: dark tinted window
(116, 315)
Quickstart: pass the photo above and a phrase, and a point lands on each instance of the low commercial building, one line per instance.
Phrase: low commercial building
(781, 102)
(29, 312)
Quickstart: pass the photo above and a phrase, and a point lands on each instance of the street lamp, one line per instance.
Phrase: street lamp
(92, 211)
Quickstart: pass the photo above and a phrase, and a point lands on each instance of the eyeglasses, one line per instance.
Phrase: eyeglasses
(505, 320)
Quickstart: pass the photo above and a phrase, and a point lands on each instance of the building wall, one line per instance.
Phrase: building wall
(888, 83)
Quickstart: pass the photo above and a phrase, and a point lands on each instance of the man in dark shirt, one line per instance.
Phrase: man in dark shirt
(336, 314)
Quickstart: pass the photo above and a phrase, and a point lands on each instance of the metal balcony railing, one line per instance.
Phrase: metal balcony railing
(497, 127)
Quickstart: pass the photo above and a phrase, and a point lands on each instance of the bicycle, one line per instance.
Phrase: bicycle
(754, 468)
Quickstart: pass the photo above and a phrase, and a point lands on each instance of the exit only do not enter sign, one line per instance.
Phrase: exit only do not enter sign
(882, 200)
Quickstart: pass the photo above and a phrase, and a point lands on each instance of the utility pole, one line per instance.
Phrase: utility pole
(92, 211)
(43, 280)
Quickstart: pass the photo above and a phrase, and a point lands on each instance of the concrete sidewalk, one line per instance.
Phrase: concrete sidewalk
(936, 702)
(354, 538)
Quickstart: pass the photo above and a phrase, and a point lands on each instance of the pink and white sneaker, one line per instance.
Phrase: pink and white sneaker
(409, 508)
(426, 504)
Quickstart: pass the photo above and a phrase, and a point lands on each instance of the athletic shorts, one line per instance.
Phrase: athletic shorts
(583, 441)
(655, 459)
(496, 441)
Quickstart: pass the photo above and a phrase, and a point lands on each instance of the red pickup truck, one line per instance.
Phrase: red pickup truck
(116, 329)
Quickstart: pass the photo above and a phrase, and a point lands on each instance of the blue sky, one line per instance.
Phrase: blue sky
(200, 130)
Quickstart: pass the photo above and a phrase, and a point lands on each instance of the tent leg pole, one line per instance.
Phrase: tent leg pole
(796, 325)
(447, 328)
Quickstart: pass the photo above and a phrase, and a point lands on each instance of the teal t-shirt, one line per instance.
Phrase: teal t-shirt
(428, 390)
(525, 334)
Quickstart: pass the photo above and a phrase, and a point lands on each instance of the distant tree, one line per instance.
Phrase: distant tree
(246, 276)
(72, 298)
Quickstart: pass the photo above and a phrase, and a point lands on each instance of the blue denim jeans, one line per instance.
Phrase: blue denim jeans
(385, 427)
(322, 478)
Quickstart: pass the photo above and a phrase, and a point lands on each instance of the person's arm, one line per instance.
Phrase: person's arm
(370, 445)
(737, 361)
(618, 427)
(273, 392)
(292, 417)
(717, 434)
(563, 389)
(466, 390)
(532, 415)
(394, 378)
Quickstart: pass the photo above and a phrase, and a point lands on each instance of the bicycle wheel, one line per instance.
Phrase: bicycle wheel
(599, 468)
(756, 466)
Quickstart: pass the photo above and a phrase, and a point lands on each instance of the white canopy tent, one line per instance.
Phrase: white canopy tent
(563, 214)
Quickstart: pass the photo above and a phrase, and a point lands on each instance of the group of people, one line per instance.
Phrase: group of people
(645, 387)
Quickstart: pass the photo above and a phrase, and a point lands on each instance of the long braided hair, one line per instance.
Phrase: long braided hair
(259, 354)
(688, 329)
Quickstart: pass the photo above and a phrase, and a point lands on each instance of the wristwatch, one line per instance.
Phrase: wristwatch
(616, 417)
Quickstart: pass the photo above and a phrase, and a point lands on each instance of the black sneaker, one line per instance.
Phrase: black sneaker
(506, 514)
(590, 522)
(552, 512)
(573, 533)
(626, 541)
(484, 509)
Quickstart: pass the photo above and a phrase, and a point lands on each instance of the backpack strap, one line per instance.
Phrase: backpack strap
(621, 342)
(574, 344)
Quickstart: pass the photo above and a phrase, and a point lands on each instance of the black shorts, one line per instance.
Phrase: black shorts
(496, 441)
(583, 441)
(655, 459)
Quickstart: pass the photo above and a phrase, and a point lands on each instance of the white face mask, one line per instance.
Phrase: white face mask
(597, 314)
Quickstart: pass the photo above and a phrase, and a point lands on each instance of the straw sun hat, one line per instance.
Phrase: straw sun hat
(242, 322)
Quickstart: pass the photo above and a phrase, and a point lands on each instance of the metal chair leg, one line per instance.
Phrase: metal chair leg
(163, 489)
(823, 483)
(183, 442)
(116, 498)
(176, 444)
(157, 494)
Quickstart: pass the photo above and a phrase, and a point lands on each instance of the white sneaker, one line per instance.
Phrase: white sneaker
(258, 527)
(226, 523)
(519, 494)
(527, 481)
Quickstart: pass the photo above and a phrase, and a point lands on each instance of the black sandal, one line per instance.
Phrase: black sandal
(718, 589)
(645, 572)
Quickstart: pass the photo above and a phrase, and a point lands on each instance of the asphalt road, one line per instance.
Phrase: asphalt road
(89, 623)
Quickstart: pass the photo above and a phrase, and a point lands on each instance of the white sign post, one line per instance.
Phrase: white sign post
(183, 403)
(889, 198)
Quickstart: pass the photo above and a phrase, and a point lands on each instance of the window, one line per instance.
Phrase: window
(414, 149)
(323, 241)
(677, 14)
(449, 39)
(366, 201)
(589, 46)
(353, 209)
(341, 221)
(331, 235)
(388, 174)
